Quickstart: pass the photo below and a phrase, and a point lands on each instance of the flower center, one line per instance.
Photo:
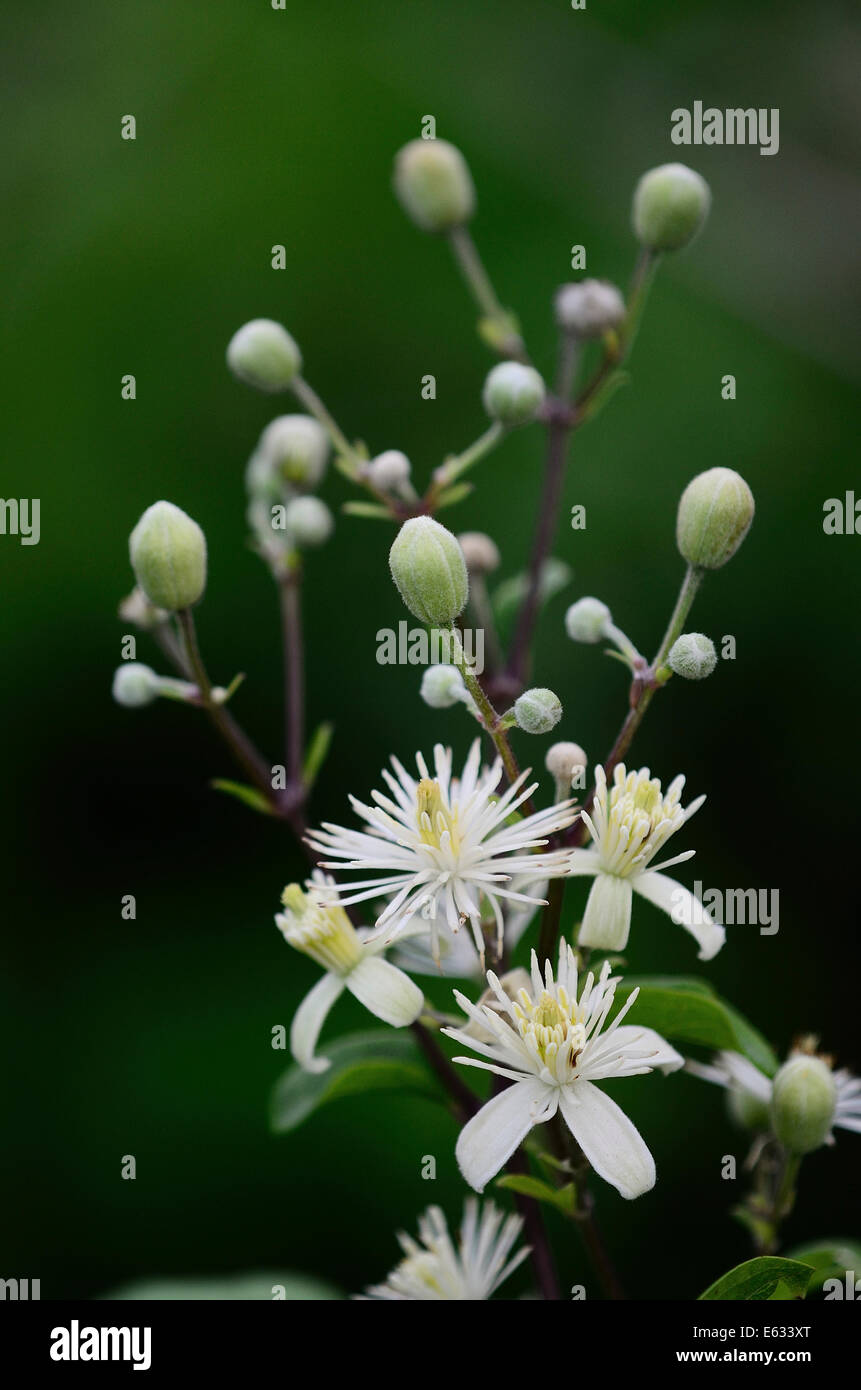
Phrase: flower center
(549, 1025)
(436, 824)
(321, 930)
(640, 820)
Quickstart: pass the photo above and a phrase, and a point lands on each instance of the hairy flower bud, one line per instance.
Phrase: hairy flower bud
(429, 570)
(433, 185)
(587, 620)
(480, 552)
(263, 354)
(297, 448)
(537, 711)
(389, 471)
(563, 759)
(135, 685)
(715, 513)
(803, 1102)
(308, 521)
(442, 687)
(512, 393)
(692, 656)
(671, 203)
(589, 308)
(168, 554)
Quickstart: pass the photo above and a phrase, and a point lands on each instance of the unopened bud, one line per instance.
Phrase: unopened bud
(562, 761)
(308, 521)
(297, 447)
(692, 656)
(587, 620)
(389, 471)
(168, 554)
(512, 393)
(537, 711)
(442, 687)
(480, 552)
(671, 203)
(136, 608)
(589, 308)
(429, 571)
(715, 513)
(135, 685)
(433, 185)
(803, 1102)
(263, 354)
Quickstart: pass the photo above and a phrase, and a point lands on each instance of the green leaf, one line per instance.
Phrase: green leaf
(456, 493)
(509, 595)
(830, 1259)
(563, 1198)
(367, 509)
(316, 753)
(760, 1279)
(236, 1287)
(686, 1010)
(360, 1062)
(249, 796)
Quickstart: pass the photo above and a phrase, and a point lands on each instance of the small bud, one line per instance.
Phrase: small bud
(389, 471)
(136, 608)
(745, 1109)
(442, 687)
(263, 354)
(429, 571)
(135, 685)
(512, 393)
(480, 552)
(537, 711)
(671, 203)
(563, 759)
(803, 1101)
(693, 656)
(262, 482)
(589, 308)
(308, 521)
(587, 620)
(297, 449)
(715, 513)
(433, 185)
(168, 554)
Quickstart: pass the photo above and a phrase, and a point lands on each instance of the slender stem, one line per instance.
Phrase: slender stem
(465, 1102)
(594, 1242)
(482, 614)
(312, 403)
(541, 1254)
(480, 286)
(489, 717)
(294, 682)
(458, 464)
(551, 919)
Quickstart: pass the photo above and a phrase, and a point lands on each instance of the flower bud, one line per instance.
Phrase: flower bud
(562, 761)
(168, 554)
(263, 354)
(134, 685)
(389, 471)
(136, 608)
(693, 656)
(442, 687)
(297, 448)
(803, 1101)
(429, 570)
(587, 620)
(715, 512)
(433, 185)
(589, 308)
(262, 482)
(308, 521)
(537, 711)
(512, 393)
(480, 552)
(671, 203)
(745, 1109)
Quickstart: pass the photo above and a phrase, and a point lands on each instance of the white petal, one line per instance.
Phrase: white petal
(607, 919)
(612, 1144)
(309, 1019)
(684, 909)
(583, 861)
(386, 991)
(657, 1051)
(489, 1139)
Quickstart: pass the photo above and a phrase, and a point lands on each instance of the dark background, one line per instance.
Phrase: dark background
(257, 127)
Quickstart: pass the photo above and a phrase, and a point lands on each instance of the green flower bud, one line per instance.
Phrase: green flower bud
(562, 761)
(803, 1101)
(589, 308)
(512, 393)
(308, 521)
(671, 203)
(587, 620)
(537, 711)
(693, 656)
(715, 512)
(433, 185)
(263, 354)
(429, 571)
(297, 448)
(746, 1110)
(442, 687)
(389, 471)
(168, 554)
(480, 552)
(135, 685)
(262, 482)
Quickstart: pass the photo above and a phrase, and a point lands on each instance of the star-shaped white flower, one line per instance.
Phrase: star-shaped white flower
(438, 1270)
(445, 848)
(315, 923)
(629, 824)
(554, 1047)
(746, 1083)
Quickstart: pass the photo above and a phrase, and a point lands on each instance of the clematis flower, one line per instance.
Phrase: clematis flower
(314, 923)
(445, 848)
(629, 824)
(436, 1269)
(554, 1047)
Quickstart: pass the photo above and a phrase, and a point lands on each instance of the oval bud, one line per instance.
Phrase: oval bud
(433, 185)
(429, 570)
(135, 685)
(715, 513)
(480, 552)
(537, 711)
(297, 448)
(168, 554)
(692, 656)
(512, 393)
(589, 308)
(308, 521)
(442, 687)
(587, 620)
(671, 203)
(389, 470)
(563, 759)
(263, 354)
(745, 1109)
(803, 1101)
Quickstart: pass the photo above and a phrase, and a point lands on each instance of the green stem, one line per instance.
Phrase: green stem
(481, 288)
(489, 717)
(458, 464)
(308, 397)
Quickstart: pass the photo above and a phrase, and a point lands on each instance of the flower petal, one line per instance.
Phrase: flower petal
(607, 919)
(489, 1139)
(684, 909)
(610, 1141)
(583, 861)
(386, 991)
(309, 1019)
(656, 1051)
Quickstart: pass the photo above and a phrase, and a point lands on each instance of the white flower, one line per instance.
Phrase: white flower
(435, 1269)
(628, 825)
(440, 845)
(551, 1045)
(316, 924)
(457, 956)
(746, 1083)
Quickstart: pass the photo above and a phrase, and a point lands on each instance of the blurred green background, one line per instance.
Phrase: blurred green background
(257, 127)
